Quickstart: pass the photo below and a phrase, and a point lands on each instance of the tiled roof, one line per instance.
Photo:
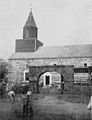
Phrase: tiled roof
(56, 51)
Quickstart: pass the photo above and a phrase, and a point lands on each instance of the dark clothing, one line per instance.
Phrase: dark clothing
(27, 110)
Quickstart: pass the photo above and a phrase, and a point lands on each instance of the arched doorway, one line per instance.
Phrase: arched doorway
(66, 74)
(50, 82)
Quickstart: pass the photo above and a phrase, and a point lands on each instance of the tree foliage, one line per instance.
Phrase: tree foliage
(3, 71)
(3, 77)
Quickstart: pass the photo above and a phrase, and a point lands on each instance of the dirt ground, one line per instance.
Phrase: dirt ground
(52, 104)
(47, 105)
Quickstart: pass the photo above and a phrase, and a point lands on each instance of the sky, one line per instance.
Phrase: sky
(59, 22)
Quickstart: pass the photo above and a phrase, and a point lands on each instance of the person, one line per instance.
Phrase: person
(11, 95)
(27, 109)
(7, 87)
(59, 87)
(29, 93)
(90, 104)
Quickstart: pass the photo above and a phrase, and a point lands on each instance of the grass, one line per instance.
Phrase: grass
(44, 116)
(46, 109)
(74, 98)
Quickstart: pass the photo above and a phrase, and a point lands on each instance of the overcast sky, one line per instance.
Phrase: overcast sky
(59, 22)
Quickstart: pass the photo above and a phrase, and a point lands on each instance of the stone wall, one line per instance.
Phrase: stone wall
(81, 77)
(56, 77)
(66, 71)
(16, 71)
(77, 62)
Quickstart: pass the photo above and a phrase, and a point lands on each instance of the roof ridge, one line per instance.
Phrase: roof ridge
(70, 45)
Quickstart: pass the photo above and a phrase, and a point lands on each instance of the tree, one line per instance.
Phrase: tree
(3, 77)
(3, 71)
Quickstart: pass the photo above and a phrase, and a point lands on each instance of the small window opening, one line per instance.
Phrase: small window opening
(85, 64)
(47, 80)
(27, 76)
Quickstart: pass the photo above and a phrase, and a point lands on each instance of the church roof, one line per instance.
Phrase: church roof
(56, 52)
(30, 20)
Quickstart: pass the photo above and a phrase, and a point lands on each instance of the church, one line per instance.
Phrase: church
(55, 64)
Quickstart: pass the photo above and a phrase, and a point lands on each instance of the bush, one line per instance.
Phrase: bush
(2, 90)
(20, 89)
(82, 89)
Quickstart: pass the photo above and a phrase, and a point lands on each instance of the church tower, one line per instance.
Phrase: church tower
(30, 28)
(30, 42)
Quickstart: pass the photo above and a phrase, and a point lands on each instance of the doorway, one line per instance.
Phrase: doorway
(47, 80)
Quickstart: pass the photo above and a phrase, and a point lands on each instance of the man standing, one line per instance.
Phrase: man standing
(27, 106)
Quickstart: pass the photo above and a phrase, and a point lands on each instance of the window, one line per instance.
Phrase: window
(26, 75)
(85, 64)
(47, 80)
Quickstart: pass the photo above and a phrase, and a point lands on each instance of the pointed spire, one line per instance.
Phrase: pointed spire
(30, 29)
(30, 7)
(30, 21)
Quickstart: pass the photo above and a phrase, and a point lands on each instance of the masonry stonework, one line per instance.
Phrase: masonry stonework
(16, 71)
(67, 72)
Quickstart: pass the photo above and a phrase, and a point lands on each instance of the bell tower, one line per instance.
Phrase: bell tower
(30, 42)
(30, 29)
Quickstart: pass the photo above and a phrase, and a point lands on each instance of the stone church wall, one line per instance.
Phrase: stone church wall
(16, 71)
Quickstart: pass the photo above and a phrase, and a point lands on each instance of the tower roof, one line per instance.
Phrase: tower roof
(30, 20)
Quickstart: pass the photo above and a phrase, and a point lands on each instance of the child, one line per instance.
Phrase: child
(29, 93)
